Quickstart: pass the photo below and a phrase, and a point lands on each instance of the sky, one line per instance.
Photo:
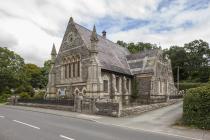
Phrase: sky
(30, 27)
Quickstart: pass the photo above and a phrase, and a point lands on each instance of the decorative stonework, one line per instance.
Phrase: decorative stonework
(89, 65)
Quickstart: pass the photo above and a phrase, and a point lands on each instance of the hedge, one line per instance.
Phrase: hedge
(185, 86)
(196, 107)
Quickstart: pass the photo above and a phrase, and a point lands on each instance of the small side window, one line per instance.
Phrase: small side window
(105, 82)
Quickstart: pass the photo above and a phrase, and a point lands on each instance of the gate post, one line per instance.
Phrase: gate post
(78, 103)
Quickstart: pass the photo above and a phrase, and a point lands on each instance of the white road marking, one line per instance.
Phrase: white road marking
(2, 117)
(65, 137)
(26, 124)
(150, 131)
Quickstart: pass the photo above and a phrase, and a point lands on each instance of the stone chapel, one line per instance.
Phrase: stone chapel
(90, 65)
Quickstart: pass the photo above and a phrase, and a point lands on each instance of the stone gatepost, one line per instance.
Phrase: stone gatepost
(78, 103)
(93, 105)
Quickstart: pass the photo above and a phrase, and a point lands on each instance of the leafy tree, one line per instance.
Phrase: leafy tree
(179, 59)
(11, 69)
(45, 71)
(135, 48)
(121, 43)
(192, 60)
(198, 53)
(34, 75)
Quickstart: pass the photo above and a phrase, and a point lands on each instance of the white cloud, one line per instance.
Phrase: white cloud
(29, 27)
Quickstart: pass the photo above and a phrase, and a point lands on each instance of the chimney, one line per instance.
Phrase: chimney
(104, 34)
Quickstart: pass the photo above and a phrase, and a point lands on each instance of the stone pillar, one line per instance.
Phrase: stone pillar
(78, 103)
(113, 87)
(125, 91)
(94, 81)
(167, 91)
(120, 85)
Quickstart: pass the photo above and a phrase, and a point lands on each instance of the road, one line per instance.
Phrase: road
(29, 125)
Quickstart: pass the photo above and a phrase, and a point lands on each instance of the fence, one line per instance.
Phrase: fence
(66, 102)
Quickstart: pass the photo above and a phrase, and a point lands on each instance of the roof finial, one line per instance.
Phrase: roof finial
(53, 52)
(104, 33)
(94, 35)
(71, 20)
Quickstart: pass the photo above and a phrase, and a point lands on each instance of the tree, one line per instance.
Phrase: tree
(179, 59)
(11, 69)
(45, 72)
(198, 53)
(192, 60)
(34, 75)
(135, 48)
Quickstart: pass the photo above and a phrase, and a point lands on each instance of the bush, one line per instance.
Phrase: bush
(196, 107)
(185, 86)
(25, 88)
(24, 95)
(39, 95)
(4, 97)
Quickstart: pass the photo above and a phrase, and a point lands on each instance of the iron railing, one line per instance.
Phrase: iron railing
(67, 102)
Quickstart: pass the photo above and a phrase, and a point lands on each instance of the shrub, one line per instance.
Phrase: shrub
(39, 95)
(196, 107)
(4, 97)
(24, 95)
(185, 86)
(25, 88)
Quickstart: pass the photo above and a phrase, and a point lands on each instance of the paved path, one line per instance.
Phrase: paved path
(160, 121)
(17, 124)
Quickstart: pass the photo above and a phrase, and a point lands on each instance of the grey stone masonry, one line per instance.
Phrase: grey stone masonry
(90, 65)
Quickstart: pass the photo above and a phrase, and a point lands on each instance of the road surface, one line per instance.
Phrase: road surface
(29, 125)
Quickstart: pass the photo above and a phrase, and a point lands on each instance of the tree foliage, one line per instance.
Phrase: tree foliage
(15, 74)
(192, 60)
(135, 48)
(11, 69)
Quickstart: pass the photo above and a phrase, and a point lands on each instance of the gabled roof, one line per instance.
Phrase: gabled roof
(143, 62)
(111, 56)
(143, 54)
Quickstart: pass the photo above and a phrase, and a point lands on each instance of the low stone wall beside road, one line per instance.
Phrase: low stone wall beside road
(47, 106)
(107, 108)
(136, 110)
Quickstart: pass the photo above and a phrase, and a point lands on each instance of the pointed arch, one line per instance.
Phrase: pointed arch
(84, 91)
(76, 91)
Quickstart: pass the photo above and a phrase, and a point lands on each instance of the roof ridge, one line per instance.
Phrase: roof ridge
(97, 34)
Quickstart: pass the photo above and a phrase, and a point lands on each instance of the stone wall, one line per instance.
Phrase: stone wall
(136, 110)
(47, 106)
(108, 108)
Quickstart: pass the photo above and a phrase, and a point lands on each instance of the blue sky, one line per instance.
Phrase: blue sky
(30, 27)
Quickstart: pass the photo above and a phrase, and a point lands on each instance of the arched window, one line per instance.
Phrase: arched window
(71, 66)
(65, 67)
(69, 70)
(78, 67)
(74, 68)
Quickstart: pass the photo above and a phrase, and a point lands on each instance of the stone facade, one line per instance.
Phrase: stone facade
(90, 65)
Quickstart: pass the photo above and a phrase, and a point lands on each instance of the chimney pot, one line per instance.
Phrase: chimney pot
(104, 33)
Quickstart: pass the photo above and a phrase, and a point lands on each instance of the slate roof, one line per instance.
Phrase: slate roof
(111, 56)
(143, 54)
